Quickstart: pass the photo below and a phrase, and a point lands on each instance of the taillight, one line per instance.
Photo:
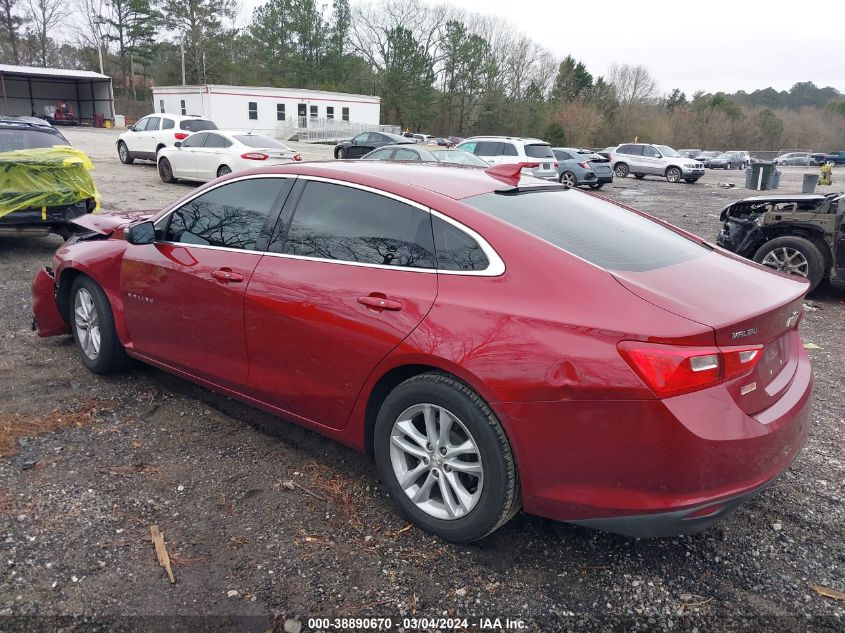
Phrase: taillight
(557, 164)
(671, 370)
(255, 156)
(585, 165)
(181, 136)
(297, 157)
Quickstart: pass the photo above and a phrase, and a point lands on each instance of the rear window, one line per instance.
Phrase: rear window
(23, 138)
(256, 140)
(197, 125)
(602, 233)
(539, 151)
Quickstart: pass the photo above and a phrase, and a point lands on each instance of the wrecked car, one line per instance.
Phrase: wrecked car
(800, 234)
(44, 182)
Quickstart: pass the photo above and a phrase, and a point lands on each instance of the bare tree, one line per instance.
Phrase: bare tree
(10, 24)
(633, 84)
(45, 16)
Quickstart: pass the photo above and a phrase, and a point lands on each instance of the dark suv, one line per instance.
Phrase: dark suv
(799, 234)
(40, 191)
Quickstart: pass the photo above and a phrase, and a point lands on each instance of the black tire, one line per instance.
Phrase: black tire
(499, 499)
(691, 180)
(621, 170)
(110, 356)
(340, 153)
(568, 179)
(165, 171)
(223, 170)
(673, 175)
(124, 154)
(596, 185)
(814, 259)
(639, 176)
(159, 148)
(729, 166)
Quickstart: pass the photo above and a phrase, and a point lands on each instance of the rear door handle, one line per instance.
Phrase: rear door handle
(380, 303)
(225, 275)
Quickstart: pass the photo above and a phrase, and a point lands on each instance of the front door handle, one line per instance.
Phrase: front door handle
(380, 303)
(226, 275)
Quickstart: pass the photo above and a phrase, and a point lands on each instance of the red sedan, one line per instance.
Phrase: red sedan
(494, 342)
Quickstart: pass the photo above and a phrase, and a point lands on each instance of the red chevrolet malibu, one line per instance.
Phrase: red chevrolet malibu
(494, 342)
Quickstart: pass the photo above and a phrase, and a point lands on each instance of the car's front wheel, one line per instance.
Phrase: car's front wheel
(621, 170)
(673, 174)
(124, 154)
(165, 171)
(92, 324)
(793, 255)
(445, 459)
(340, 153)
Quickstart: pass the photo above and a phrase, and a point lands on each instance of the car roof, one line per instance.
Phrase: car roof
(178, 117)
(507, 138)
(452, 181)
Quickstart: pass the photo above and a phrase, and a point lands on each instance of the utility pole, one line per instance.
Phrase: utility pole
(99, 20)
(182, 48)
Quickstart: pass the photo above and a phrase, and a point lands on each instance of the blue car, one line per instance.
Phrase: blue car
(577, 167)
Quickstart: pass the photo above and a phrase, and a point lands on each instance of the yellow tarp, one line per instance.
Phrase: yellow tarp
(45, 177)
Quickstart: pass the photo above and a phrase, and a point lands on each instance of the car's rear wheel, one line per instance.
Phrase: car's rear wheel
(621, 170)
(568, 179)
(124, 154)
(165, 171)
(223, 170)
(596, 185)
(673, 174)
(793, 255)
(92, 324)
(445, 459)
(340, 153)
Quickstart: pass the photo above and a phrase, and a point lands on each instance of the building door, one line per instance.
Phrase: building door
(302, 113)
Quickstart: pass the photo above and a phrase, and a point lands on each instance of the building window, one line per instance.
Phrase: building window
(161, 105)
(253, 110)
(345, 114)
(280, 111)
(182, 106)
(329, 112)
(314, 112)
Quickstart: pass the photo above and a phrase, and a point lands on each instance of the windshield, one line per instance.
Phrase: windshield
(539, 151)
(458, 157)
(28, 138)
(667, 151)
(601, 233)
(256, 140)
(197, 125)
(724, 155)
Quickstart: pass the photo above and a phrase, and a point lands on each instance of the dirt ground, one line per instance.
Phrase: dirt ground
(89, 463)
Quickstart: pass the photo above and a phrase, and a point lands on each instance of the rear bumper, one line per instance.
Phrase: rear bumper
(46, 318)
(49, 216)
(644, 466)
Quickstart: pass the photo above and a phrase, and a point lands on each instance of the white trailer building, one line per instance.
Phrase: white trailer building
(310, 115)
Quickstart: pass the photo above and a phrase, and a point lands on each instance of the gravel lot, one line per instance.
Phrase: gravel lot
(92, 462)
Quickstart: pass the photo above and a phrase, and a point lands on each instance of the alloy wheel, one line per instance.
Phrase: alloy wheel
(568, 179)
(787, 260)
(124, 153)
(87, 323)
(673, 175)
(437, 462)
(223, 171)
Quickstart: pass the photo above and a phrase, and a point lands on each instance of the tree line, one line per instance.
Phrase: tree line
(436, 68)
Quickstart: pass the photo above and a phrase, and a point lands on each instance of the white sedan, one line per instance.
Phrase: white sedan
(208, 155)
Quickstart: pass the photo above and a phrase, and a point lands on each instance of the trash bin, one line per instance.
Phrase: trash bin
(759, 176)
(810, 182)
(775, 179)
(99, 120)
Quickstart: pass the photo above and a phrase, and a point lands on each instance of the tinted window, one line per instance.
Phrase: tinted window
(21, 138)
(488, 148)
(362, 139)
(195, 140)
(649, 151)
(406, 154)
(215, 140)
(256, 140)
(469, 147)
(167, 124)
(539, 151)
(458, 157)
(455, 249)
(230, 216)
(561, 155)
(195, 125)
(600, 232)
(152, 124)
(508, 149)
(337, 222)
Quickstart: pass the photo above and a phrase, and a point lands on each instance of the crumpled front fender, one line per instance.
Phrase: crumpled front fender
(46, 318)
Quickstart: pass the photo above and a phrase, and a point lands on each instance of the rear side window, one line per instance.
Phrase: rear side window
(230, 216)
(488, 148)
(595, 230)
(508, 149)
(167, 124)
(215, 140)
(455, 249)
(197, 125)
(347, 224)
(12, 139)
(561, 155)
(539, 151)
(406, 154)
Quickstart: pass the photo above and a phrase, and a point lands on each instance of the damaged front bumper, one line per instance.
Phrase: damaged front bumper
(47, 320)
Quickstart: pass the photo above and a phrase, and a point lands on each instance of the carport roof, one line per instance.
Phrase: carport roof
(63, 73)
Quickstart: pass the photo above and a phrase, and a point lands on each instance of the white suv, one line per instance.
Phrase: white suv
(507, 150)
(150, 134)
(643, 159)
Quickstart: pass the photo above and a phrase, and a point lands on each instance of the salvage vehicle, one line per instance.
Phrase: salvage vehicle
(800, 234)
(44, 182)
(494, 341)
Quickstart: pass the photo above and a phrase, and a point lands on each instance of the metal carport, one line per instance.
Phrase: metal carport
(35, 91)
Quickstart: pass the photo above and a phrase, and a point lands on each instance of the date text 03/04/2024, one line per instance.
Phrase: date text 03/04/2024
(412, 623)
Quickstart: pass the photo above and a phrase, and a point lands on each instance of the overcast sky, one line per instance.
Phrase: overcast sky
(710, 45)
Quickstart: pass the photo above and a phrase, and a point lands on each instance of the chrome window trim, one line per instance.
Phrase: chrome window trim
(495, 266)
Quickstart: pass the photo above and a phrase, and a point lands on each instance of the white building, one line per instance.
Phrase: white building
(312, 115)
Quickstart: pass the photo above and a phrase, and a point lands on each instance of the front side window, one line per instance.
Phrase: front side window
(141, 125)
(469, 147)
(455, 249)
(650, 152)
(280, 111)
(346, 224)
(345, 114)
(380, 154)
(230, 216)
(253, 110)
(362, 139)
(152, 124)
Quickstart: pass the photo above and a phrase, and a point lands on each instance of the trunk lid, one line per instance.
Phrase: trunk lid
(745, 305)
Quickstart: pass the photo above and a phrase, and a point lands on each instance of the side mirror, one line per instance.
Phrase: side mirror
(141, 233)
(177, 144)
(130, 128)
